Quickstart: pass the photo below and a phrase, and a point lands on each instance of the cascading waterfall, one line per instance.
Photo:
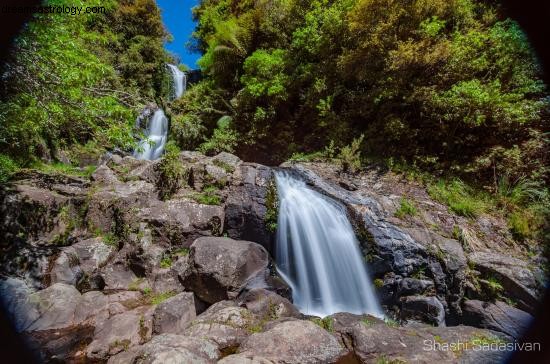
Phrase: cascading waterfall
(318, 254)
(152, 146)
(179, 80)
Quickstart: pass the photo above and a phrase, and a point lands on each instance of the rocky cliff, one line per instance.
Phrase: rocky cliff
(104, 270)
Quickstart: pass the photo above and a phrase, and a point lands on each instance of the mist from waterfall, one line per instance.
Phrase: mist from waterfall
(318, 254)
(179, 80)
(156, 135)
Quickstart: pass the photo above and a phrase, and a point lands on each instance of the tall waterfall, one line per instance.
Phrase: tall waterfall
(318, 254)
(180, 80)
(152, 146)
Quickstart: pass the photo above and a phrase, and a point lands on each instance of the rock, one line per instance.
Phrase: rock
(181, 221)
(516, 278)
(427, 309)
(53, 308)
(81, 259)
(267, 304)
(373, 341)
(105, 176)
(169, 348)
(165, 280)
(224, 324)
(112, 208)
(245, 207)
(119, 333)
(118, 277)
(174, 315)
(220, 267)
(244, 359)
(412, 286)
(498, 317)
(14, 294)
(227, 160)
(295, 341)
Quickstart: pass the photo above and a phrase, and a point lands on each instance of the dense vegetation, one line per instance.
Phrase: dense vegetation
(447, 85)
(76, 83)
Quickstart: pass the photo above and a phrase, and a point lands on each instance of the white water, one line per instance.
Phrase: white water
(180, 80)
(318, 254)
(152, 146)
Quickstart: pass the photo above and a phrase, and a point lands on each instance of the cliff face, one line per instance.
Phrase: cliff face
(104, 269)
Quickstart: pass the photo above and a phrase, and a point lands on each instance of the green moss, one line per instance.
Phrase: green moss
(326, 323)
(367, 321)
(272, 207)
(181, 252)
(223, 165)
(406, 208)
(158, 298)
(208, 196)
(166, 262)
(378, 283)
(391, 322)
(66, 169)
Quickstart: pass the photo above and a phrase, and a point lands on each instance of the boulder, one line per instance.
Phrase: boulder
(224, 324)
(427, 309)
(219, 268)
(374, 340)
(294, 341)
(267, 304)
(518, 281)
(181, 221)
(175, 314)
(105, 176)
(170, 348)
(119, 333)
(245, 207)
(496, 316)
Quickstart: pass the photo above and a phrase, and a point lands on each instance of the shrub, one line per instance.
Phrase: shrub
(460, 198)
(173, 175)
(350, 156)
(7, 168)
(406, 208)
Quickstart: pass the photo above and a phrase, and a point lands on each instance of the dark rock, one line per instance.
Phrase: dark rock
(498, 317)
(219, 268)
(245, 207)
(427, 309)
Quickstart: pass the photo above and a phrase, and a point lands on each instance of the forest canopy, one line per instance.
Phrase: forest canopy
(446, 85)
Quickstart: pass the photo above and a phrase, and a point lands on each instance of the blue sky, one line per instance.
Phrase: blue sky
(176, 15)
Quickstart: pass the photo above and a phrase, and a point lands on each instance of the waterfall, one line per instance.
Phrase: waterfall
(318, 254)
(152, 146)
(179, 80)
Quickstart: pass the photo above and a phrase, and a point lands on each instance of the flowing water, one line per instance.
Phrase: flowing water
(318, 254)
(180, 80)
(152, 146)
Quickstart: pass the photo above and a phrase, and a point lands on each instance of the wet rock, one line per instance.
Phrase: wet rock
(169, 348)
(119, 333)
(220, 267)
(245, 207)
(427, 309)
(174, 315)
(498, 317)
(295, 341)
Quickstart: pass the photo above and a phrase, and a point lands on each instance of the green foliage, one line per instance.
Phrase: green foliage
(208, 196)
(425, 81)
(68, 169)
(7, 168)
(224, 139)
(166, 262)
(350, 156)
(326, 323)
(157, 298)
(172, 174)
(406, 208)
(460, 198)
(181, 252)
(272, 207)
(74, 79)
